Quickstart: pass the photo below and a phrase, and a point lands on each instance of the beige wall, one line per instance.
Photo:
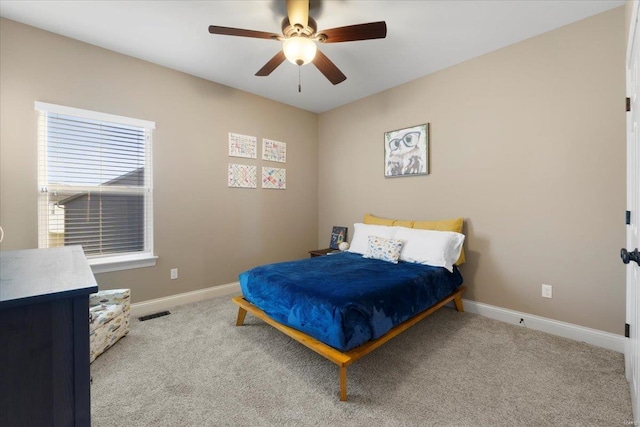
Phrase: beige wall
(208, 231)
(528, 144)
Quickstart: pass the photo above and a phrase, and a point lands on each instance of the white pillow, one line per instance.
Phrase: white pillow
(361, 233)
(430, 247)
(384, 249)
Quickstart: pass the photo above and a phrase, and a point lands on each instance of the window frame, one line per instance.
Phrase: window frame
(106, 262)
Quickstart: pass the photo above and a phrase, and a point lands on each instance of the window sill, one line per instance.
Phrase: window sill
(122, 262)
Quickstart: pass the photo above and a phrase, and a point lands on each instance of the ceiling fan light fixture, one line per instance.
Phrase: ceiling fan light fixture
(299, 50)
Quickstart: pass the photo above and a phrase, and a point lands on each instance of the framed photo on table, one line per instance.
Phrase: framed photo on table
(338, 235)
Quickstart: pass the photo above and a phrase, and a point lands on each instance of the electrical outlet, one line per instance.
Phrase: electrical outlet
(174, 273)
(547, 291)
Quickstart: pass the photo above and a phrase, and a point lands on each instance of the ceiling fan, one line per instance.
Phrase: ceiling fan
(299, 34)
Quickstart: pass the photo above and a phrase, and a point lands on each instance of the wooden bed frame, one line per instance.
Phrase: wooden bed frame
(343, 359)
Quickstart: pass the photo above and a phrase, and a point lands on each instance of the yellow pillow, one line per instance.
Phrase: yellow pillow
(403, 223)
(377, 220)
(441, 225)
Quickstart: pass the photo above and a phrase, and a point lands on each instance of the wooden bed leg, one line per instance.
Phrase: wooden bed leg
(241, 313)
(343, 383)
(458, 302)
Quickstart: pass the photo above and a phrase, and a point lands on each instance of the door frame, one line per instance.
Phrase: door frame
(632, 347)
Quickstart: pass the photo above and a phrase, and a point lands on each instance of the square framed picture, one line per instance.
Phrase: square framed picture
(338, 235)
(406, 151)
(274, 178)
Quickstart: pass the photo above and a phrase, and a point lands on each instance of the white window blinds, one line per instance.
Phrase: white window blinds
(95, 180)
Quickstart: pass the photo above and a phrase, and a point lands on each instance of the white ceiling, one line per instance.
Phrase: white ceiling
(422, 37)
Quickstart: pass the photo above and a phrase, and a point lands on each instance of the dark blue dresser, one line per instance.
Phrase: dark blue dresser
(44, 337)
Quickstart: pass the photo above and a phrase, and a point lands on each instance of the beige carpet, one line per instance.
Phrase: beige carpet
(196, 368)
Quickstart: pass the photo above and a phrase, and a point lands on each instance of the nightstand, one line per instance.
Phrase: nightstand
(321, 252)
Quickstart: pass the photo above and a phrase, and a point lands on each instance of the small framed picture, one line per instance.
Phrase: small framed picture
(406, 151)
(338, 235)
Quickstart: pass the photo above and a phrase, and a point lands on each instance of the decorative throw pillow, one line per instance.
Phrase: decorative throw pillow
(384, 249)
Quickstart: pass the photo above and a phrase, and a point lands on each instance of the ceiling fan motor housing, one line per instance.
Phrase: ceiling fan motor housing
(289, 30)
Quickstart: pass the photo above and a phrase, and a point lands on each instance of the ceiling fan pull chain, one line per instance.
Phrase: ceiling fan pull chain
(299, 85)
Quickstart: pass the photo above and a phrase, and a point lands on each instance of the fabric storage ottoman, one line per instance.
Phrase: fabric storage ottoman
(108, 319)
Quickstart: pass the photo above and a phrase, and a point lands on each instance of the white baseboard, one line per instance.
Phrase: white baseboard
(567, 330)
(554, 327)
(161, 304)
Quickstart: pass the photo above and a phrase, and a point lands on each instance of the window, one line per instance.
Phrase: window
(95, 183)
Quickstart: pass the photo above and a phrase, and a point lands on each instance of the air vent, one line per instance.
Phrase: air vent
(153, 316)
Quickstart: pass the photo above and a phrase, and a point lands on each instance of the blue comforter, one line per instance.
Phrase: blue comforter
(345, 300)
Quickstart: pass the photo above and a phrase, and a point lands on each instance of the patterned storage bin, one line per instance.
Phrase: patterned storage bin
(108, 319)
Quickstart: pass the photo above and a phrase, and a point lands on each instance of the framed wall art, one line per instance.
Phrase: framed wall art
(242, 176)
(274, 151)
(242, 145)
(274, 178)
(406, 151)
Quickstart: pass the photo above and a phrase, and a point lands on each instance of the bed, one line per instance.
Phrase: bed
(347, 304)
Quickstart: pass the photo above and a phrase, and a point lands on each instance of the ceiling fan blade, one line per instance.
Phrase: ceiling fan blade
(298, 12)
(228, 31)
(271, 65)
(328, 68)
(351, 33)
